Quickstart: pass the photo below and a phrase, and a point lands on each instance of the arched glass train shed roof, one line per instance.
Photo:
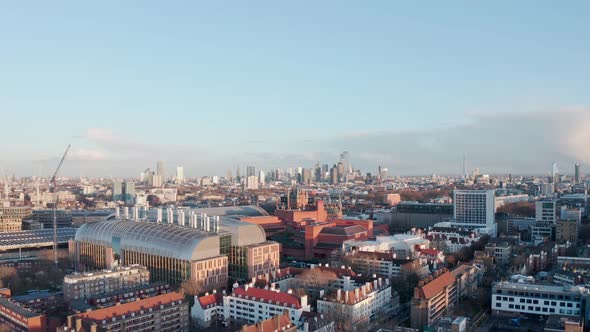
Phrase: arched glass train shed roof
(158, 239)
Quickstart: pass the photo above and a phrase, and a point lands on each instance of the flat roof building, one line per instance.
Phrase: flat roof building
(167, 312)
(84, 285)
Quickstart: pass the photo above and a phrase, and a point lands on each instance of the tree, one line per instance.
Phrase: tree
(154, 200)
(404, 286)
(523, 209)
(191, 288)
(316, 278)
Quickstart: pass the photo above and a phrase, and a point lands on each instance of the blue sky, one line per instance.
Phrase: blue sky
(212, 85)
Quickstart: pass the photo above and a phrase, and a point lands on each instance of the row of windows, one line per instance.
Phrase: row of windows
(532, 301)
(541, 310)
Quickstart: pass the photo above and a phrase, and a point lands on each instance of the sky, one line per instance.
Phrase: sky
(214, 85)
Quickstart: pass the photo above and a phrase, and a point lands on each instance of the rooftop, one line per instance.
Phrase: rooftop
(77, 276)
(159, 239)
(267, 295)
(347, 230)
(435, 286)
(211, 299)
(276, 323)
(17, 308)
(128, 308)
(35, 238)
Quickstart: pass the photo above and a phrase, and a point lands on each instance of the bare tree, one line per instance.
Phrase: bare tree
(315, 279)
(191, 287)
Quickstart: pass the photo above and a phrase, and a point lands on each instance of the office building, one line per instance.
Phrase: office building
(346, 165)
(340, 168)
(179, 174)
(408, 215)
(554, 173)
(334, 175)
(84, 285)
(262, 178)
(167, 312)
(521, 295)
(117, 191)
(251, 183)
(45, 217)
(250, 171)
(161, 171)
(546, 211)
(129, 192)
(11, 218)
(475, 209)
(577, 174)
(566, 230)
(433, 297)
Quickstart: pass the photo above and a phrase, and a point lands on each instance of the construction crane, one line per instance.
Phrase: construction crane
(52, 185)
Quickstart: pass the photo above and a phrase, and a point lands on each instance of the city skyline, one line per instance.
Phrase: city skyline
(398, 85)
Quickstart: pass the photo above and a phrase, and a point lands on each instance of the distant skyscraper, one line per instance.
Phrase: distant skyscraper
(251, 183)
(334, 175)
(325, 171)
(161, 170)
(157, 181)
(554, 173)
(117, 191)
(251, 171)
(129, 192)
(179, 174)
(306, 176)
(340, 169)
(465, 165)
(577, 174)
(345, 160)
(383, 173)
(262, 178)
(475, 208)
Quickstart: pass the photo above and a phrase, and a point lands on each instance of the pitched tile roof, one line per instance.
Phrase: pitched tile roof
(283, 321)
(434, 287)
(267, 295)
(211, 299)
(128, 308)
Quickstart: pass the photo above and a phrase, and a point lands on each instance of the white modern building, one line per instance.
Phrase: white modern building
(402, 245)
(475, 209)
(249, 305)
(521, 295)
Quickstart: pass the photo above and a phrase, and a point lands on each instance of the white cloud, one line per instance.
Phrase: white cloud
(86, 155)
(514, 142)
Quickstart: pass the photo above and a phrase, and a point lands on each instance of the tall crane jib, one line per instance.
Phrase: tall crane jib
(52, 185)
